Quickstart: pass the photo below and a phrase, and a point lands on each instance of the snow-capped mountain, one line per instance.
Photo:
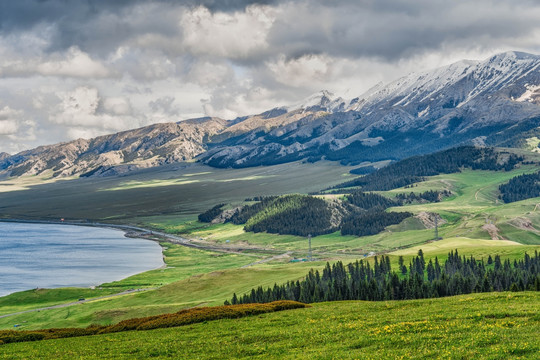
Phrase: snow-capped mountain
(491, 102)
(477, 102)
(321, 101)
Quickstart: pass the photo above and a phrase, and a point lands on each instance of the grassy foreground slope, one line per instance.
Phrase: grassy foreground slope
(480, 326)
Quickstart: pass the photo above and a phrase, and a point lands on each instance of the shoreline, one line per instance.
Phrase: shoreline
(129, 232)
(150, 234)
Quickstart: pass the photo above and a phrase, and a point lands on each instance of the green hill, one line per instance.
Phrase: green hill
(479, 326)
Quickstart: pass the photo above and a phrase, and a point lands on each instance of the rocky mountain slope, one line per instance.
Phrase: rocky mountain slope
(491, 102)
(113, 154)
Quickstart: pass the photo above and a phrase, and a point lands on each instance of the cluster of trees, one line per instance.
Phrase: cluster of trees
(295, 215)
(371, 222)
(241, 216)
(427, 196)
(362, 214)
(520, 188)
(364, 170)
(369, 201)
(363, 281)
(414, 169)
(211, 214)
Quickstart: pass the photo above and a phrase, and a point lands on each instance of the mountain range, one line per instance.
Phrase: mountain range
(495, 102)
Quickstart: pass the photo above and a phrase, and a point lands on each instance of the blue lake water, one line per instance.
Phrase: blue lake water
(50, 256)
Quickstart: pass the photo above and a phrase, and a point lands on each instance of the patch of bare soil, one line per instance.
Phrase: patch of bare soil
(428, 219)
(493, 231)
(523, 224)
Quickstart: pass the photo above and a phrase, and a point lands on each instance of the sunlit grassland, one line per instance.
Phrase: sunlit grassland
(476, 326)
(37, 298)
(204, 278)
(182, 263)
(211, 288)
(473, 204)
(479, 248)
(171, 199)
(28, 181)
(476, 203)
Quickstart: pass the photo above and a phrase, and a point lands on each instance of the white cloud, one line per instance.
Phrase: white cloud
(236, 36)
(79, 70)
(8, 127)
(72, 63)
(302, 71)
(79, 113)
(78, 107)
(117, 106)
(210, 74)
(9, 123)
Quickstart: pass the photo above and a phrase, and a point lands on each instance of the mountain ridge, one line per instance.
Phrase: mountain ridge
(491, 102)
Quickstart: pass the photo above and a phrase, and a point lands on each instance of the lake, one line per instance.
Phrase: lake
(51, 256)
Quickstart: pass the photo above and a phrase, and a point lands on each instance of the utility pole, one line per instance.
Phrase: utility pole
(310, 258)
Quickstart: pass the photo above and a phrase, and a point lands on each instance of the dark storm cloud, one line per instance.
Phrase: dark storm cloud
(139, 58)
(23, 14)
(100, 25)
(394, 29)
(351, 28)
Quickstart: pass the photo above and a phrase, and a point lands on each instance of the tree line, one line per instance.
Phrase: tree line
(299, 215)
(211, 214)
(361, 280)
(241, 216)
(414, 169)
(427, 196)
(371, 222)
(520, 188)
(367, 201)
(360, 213)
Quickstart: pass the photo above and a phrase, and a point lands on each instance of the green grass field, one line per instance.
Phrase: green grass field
(479, 326)
(170, 200)
(474, 204)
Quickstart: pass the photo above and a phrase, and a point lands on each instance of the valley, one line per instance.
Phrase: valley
(196, 277)
(269, 179)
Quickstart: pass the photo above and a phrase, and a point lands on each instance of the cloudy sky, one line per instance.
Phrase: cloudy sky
(71, 69)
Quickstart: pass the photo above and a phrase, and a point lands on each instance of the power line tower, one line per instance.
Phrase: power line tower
(310, 258)
(436, 227)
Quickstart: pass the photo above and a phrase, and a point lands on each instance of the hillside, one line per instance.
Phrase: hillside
(414, 169)
(494, 102)
(231, 260)
(479, 326)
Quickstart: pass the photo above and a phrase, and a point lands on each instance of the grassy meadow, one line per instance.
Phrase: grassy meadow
(479, 326)
(475, 221)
